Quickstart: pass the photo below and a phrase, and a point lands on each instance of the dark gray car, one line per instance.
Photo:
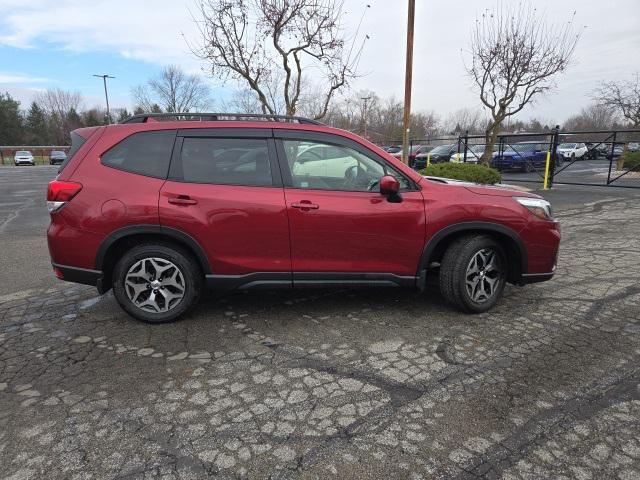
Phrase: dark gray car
(57, 157)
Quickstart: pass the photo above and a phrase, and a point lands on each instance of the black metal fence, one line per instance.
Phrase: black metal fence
(598, 158)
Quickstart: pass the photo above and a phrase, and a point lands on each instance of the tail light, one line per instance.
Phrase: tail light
(60, 193)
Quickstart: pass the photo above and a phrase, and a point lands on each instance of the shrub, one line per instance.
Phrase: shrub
(631, 161)
(469, 172)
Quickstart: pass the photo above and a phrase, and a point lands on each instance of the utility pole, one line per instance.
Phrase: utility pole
(366, 100)
(106, 95)
(407, 82)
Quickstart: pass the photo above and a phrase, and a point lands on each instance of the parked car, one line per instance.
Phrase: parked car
(524, 156)
(617, 151)
(633, 146)
(439, 154)
(593, 150)
(23, 157)
(414, 150)
(572, 151)
(420, 159)
(57, 157)
(393, 149)
(161, 211)
(474, 152)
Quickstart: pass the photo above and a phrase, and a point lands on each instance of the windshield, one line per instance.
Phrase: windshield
(477, 148)
(441, 149)
(22, 152)
(567, 145)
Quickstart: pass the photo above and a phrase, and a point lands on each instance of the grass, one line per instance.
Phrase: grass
(40, 160)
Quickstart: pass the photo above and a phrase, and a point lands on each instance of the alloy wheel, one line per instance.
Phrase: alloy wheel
(154, 285)
(483, 275)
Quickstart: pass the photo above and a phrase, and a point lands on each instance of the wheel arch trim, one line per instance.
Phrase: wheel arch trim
(159, 230)
(457, 228)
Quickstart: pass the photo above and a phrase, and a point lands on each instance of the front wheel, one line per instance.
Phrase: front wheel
(157, 283)
(473, 273)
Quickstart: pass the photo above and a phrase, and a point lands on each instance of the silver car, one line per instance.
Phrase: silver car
(23, 157)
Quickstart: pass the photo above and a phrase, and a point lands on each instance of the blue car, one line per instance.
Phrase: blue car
(526, 156)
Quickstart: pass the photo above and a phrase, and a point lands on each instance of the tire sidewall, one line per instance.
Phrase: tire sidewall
(182, 260)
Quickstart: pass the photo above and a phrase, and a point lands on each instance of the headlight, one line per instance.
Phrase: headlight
(539, 207)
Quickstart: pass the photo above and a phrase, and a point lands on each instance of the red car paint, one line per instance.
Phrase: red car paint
(247, 229)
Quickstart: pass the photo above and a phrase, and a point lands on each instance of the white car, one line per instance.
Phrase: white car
(23, 157)
(569, 151)
(473, 155)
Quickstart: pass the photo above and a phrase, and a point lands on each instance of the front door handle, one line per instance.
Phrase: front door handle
(305, 205)
(182, 200)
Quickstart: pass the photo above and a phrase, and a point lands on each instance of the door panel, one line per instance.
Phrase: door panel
(242, 229)
(355, 231)
(226, 192)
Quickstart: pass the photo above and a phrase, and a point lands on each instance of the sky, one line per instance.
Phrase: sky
(62, 43)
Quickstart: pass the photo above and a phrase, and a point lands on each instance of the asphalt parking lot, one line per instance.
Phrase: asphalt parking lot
(326, 383)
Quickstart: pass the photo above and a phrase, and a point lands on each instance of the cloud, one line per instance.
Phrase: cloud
(148, 31)
(157, 32)
(18, 78)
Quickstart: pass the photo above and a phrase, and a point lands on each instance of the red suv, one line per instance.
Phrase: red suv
(162, 206)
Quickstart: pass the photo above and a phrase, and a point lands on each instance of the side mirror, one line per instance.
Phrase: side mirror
(390, 188)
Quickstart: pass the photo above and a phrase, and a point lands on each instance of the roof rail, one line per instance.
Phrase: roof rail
(208, 117)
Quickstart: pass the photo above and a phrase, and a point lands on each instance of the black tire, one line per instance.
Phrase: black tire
(181, 259)
(454, 270)
(526, 167)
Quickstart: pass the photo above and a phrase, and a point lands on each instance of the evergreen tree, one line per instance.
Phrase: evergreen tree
(36, 126)
(123, 115)
(11, 122)
(92, 118)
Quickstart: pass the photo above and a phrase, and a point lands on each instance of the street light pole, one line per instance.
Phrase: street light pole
(366, 100)
(407, 82)
(106, 95)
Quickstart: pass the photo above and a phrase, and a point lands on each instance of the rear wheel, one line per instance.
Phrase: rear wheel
(157, 283)
(473, 273)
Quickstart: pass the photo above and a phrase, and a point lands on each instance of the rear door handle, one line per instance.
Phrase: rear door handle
(305, 205)
(183, 200)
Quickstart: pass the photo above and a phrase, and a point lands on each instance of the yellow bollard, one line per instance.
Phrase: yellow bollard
(546, 172)
(428, 159)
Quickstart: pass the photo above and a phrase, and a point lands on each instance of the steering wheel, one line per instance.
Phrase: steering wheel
(372, 185)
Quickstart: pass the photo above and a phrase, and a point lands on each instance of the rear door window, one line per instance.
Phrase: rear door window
(144, 153)
(226, 161)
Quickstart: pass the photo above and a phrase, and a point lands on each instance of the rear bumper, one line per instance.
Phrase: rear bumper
(84, 276)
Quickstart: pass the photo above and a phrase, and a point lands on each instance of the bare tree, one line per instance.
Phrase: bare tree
(269, 45)
(242, 101)
(596, 116)
(623, 96)
(516, 54)
(465, 119)
(62, 108)
(174, 90)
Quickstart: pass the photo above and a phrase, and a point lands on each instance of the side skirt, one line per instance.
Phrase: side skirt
(307, 279)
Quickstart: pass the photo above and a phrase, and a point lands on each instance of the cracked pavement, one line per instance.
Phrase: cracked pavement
(345, 383)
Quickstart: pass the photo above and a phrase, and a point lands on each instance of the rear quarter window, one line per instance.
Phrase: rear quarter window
(77, 141)
(144, 153)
